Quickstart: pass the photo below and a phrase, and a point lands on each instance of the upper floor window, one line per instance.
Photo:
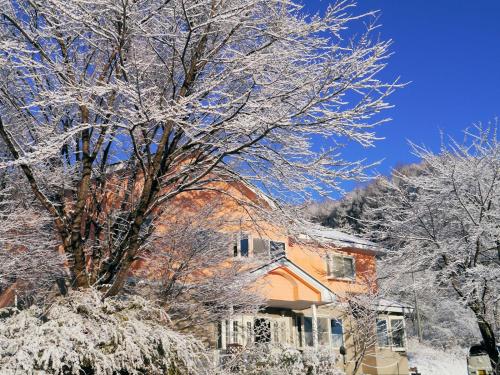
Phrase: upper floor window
(276, 249)
(246, 245)
(241, 246)
(341, 267)
(260, 248)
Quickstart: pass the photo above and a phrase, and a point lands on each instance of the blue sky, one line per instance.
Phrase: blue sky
(449, 51)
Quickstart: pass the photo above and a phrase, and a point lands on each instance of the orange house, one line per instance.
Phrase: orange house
(304, 280)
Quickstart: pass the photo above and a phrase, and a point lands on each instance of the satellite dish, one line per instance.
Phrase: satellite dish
(342, 350)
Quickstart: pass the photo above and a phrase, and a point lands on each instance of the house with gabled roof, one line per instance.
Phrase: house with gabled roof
(306, 280)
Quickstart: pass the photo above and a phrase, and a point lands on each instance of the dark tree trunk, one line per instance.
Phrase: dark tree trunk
(489, 341)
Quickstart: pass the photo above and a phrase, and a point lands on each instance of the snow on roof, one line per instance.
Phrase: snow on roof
(327, 235)
(385, 305)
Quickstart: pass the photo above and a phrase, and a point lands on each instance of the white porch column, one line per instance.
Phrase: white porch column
(231, 327)
(315, 326)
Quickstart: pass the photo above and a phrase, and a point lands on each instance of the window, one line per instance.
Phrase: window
(391, 332)
(341, 267)
(298, 323)
(219, 335)
(337, 333)
(260, 248)
(398, 333)
(277, 249)
(249, 333)
(235, 332)
(323, 331)
(262, 330)
(382, 334)
(308, 331)
(241, 245)
(228, 331)
(276, 332)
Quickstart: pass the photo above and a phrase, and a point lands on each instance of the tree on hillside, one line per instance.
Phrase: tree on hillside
(443, 320)
(182, 94)
(445, 221)
(349, 213)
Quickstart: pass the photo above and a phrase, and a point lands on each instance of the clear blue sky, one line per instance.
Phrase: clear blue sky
(450, 52)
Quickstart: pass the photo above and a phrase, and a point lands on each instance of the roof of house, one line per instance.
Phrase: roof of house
(385, 305)
(327, 295)
(341, 239)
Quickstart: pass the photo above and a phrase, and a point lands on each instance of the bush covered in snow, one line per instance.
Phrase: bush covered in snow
(81, 334)
(279, 359)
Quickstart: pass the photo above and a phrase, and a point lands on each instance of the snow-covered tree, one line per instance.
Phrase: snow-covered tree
(360, 314)
(445, 222)
(29, 262)
(110, 109)
(186, 268)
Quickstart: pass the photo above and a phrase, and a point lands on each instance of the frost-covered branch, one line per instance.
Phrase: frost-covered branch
(112, 109)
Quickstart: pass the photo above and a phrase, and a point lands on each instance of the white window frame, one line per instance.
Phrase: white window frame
(331, 333)
(391, 319)
(330, 267)
(244, 337)
(388, 321)
(238, 237)
(302, 343)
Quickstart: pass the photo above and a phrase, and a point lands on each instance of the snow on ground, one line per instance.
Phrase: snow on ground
(433, 361)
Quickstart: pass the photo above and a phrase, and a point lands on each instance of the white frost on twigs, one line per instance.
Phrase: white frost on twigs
(82, 333)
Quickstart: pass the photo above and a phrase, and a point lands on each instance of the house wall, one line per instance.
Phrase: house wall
(312, 258)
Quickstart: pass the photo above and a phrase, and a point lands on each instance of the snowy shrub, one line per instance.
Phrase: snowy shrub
(280, 359)
(81, 334)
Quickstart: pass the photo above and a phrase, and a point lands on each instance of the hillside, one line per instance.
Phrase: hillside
(432, 361)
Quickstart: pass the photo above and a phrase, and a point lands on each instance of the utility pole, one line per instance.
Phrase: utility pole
(417, 311)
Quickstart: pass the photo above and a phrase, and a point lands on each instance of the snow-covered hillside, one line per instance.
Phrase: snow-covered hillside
(432, 361)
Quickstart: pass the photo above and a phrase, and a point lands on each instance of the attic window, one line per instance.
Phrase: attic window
(341, 267)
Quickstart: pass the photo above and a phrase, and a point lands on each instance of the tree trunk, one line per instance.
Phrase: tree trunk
(488, 341)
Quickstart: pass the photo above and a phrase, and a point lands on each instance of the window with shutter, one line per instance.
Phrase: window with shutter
(260, 248)
(241, 245)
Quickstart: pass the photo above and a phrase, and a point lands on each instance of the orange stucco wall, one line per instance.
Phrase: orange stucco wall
(281, 284)
(311, 258)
